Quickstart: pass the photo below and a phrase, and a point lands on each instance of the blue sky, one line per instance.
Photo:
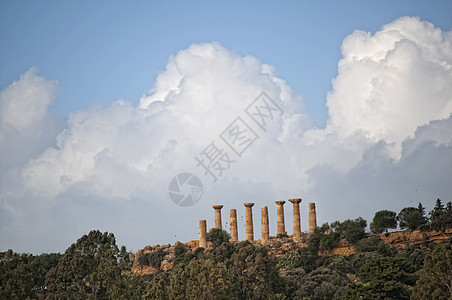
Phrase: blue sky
(69, 165)
(103, 51)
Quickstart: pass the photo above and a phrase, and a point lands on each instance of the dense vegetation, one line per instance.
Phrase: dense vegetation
(96, 268)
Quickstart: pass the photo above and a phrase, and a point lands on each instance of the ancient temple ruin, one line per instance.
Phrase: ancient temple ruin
(265, 224)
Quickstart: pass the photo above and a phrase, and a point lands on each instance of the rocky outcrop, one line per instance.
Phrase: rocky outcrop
(401, 238)
(343, 248)
(164, 252)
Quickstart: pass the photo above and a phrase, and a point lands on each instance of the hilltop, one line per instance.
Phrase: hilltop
(164, 255)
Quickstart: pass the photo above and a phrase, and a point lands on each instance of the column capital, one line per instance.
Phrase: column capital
(248, 204)
(296, 200)
(281, 202)
(217, 206)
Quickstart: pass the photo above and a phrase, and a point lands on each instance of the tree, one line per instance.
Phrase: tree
(392, 268)
(158, 288)
(23, 275)
(351, 230)
(253, 272)
(298, 258)
(125, 263)
(440, 217)
(417, 257)
(382, 221)
(411, 218)
(360, 259)
(323, 283)
(374, 244)
(200, 279)
(383, 278)
(326, 238)
(217, 237)
(422, 212)
(153, 259)
(220, 253)
(435, 281)
(89, 268)
(339, 263)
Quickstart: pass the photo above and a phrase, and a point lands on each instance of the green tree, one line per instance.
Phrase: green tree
(435, 281)
(415, 254)
(153, 259)
(327, 238)
(253, 273)
(411, 218)
(22, 276)
(323, 283)
(360, 259)
(339, 263)
(421, 209)
(125, 263)
(182, 255)
(440, 217)
(217, 237)
(350, 230)
(158, 288)
(89, 269)
(221, 253)
(382, 221)
(383, 278)
(200, 279)
(298, 258)
(375, 244)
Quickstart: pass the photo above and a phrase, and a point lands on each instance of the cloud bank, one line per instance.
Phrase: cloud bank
(386, 144)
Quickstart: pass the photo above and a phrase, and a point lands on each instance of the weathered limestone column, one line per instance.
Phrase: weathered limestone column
(312, 218)
(249, 222)
(233, 221)
(218, 216)
(264, 224)
(202, 233)
(280, 217)
(296, 218)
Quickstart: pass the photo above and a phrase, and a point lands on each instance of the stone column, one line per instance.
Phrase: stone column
(312, 218)
(264, 224)
(218, 216)
(202, 234)
(233, 221)
(296, 218)
(280, 217)
(249, 222)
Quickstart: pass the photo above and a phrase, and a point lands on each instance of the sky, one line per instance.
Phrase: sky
(345, 104)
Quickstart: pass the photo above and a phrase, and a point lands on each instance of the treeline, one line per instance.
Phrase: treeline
(409, 218)
(96, 268)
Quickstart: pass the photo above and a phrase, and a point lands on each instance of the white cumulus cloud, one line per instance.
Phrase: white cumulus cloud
(109, 168)
(392, 81)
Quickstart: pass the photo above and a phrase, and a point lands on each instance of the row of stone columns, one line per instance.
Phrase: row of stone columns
(249, 230)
